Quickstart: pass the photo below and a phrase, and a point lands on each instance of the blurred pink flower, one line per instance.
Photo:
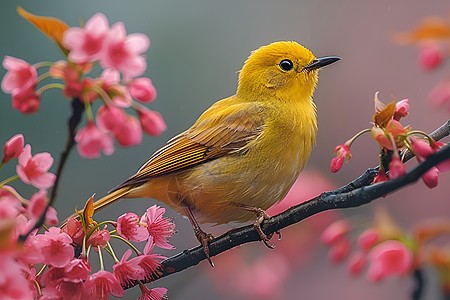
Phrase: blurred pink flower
(37, 204)
(87, 44)
(27, 101)
(159, 228)
(13, 284)
(109, 117)
(151, 121)
(128, 132)
(431, 177)
(32, 250)
(339, 250)
(99, 238)
(92, 140)
(109, 78)
(356, 263)
(56, 248)
(142, 89)
(389, 258)
(12, 148)
(69, 290)
(343, 155)
(401, 109)
(21, 76)
(122, 51)
(101, 284)
(33, 169)
(335, 231)
(77, 270)
(396, 167)
(367, 239)
(51, 217)
(153, 294)
(430, 56)
(127, 271)
(440, 95)
(129, 227)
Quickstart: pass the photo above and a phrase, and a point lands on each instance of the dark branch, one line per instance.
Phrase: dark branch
(74, 121)
(354, 194)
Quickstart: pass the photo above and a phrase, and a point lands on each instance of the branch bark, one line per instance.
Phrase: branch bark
(356, 193)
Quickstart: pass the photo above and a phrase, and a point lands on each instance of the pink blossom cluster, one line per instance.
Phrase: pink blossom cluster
(384, 257)
(385, 250)
(120, 85)
(393, 137)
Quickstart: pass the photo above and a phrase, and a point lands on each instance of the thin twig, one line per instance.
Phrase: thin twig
(74, 121)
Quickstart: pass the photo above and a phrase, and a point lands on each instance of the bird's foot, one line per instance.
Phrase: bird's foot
(261, 215)
(204, 238)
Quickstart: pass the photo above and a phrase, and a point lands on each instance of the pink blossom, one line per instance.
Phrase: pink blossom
(343, 154)
(99, 238)
(367, 239)
(77, 270)
(51, 217)
(109, 78)
(75, 230)
(421, 148)
(148, 262)
(37, 204)
(153, 294)
(431, 177)
(430, 56)
(32, 251)
(339, 250)
(71, 290)
(128, 132)
(87, 44)
(440, 95)
(356, 263)
(142, 89)
(127, 271)
(396, 167)
(13, 284)
(129, 227)
(56, 249)
(13, 147)
(109, 117)
(21, 76)
(122, 51)
(33, 169)
(52, 277)
(103, 283)
(335, 231)
(389, 258)
(161, 229)
(27, 101)
(151, 121)
(92, 140)
(401, 109)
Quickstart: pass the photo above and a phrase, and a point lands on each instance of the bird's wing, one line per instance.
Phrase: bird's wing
(219, 131)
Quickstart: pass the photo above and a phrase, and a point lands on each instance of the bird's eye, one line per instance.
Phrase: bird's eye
(286, 65)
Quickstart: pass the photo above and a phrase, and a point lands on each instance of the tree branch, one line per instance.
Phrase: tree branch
(356, 193)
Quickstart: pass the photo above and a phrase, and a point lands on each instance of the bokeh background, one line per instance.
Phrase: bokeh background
(197, 49)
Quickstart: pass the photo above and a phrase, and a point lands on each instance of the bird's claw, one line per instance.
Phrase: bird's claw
(204, 238)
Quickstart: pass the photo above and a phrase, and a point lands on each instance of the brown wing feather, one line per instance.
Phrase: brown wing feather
(208, 139)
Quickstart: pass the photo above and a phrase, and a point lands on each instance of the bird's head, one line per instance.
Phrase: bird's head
(285, 70)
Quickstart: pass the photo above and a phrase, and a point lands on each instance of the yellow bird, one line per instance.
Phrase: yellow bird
(245, 152)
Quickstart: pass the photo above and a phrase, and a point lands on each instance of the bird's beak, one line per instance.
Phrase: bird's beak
(320, 62)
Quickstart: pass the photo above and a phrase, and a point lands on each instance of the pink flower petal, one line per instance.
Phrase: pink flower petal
(44, 181)
(137, 42)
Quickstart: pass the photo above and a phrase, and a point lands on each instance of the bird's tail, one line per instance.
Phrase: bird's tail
(107, 200)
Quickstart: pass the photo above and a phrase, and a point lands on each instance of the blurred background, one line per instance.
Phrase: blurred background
(197, 48)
